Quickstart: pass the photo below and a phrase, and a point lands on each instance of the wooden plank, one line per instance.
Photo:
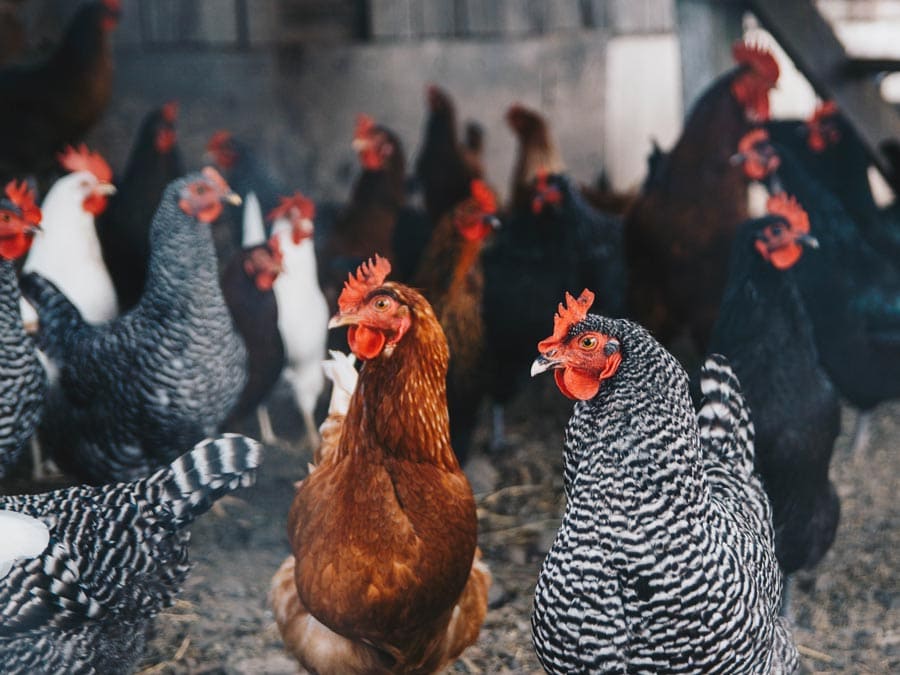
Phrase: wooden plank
(391, 19)
(641, 16)
(561, 15)
(438, 17)
(216, 24)
(263, 21)
(813, 47)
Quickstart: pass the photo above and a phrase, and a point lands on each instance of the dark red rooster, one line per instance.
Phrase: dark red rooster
(679, 231)
(47, 105)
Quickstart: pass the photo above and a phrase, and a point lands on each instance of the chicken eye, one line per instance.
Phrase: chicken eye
(588, 342)
(777, 230)
(201, 189)
(381, 303)
(5, 217)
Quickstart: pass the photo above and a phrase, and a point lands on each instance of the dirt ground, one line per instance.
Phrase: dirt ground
(847, 612)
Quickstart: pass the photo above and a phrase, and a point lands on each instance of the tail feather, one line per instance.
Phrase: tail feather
(726, 430)
(194, 481)
(58, 317)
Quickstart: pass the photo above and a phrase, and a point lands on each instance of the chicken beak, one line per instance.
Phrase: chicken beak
(543, 363)
(808, 240)
(737, 159)
(233, 198)
(341, 319)
(105, 189)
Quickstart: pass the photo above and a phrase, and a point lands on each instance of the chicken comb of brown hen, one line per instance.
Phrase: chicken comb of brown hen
(22, 196)
(483, 196)
(170, 111)
(365, 126)
(219, 146)
(758, 58)
(822, 131)
(81, 159)
(369, 276)
(567, 316)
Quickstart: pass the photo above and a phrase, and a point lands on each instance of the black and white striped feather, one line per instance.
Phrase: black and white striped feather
(132, 393)
(23, 382)
(664, 561)
(118, 554)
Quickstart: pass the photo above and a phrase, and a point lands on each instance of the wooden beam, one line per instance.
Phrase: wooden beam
(812, 45)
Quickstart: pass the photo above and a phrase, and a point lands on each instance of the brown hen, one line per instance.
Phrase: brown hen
(385, 576)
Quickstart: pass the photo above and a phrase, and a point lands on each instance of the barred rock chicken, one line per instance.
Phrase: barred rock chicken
(124, 227)
(23, 382)
(678, 233)
(385, 576)
(376, 218)
(451, 277)
(21, 537)
(133, 392)
(118, 555)
(443, 167)
(765, 333)
(67, 252)
(54, 102)
(851, 290)
(664, 561)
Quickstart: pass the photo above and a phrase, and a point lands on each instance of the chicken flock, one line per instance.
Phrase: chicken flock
(144, 315)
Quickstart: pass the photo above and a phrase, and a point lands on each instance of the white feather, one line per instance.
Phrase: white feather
(21, 536)
(67, 251)
(253, 227)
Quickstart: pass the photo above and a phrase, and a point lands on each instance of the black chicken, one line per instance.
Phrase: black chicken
(851, 291)
(133, 393)
(765, 332)
(124, 227)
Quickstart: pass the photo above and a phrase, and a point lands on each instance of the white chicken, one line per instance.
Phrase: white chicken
(67, 250)
(302, 309)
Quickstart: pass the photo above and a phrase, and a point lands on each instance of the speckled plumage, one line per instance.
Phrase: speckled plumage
(132, 393)
(23, 382)
(117, 556)
(664, 562)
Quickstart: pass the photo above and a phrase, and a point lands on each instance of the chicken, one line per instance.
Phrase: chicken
(67, 252)
(134, 392)
(284, 317)
(678, 233)
(552, 240)
(443, 168)
(664, 561)
(118, 555)
(54, 102)
(851, 291)
(302, 309)
(21, 537)
(124, 227)
(765, 333)
(23, 381)
(249, 177)
(452, 279)
(828, 149)
(247, 283)
(376, 218)
(385, 576)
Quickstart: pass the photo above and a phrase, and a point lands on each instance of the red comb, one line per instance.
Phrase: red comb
(567, 316)
(369, 276)
(787, 207)
(82, 159)
(751, 138)
(169, 111)
(218, 140)
(758, 58)
(823, 111)
(23, 197)
(304, 205)
(483, 197)
(365, 125)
